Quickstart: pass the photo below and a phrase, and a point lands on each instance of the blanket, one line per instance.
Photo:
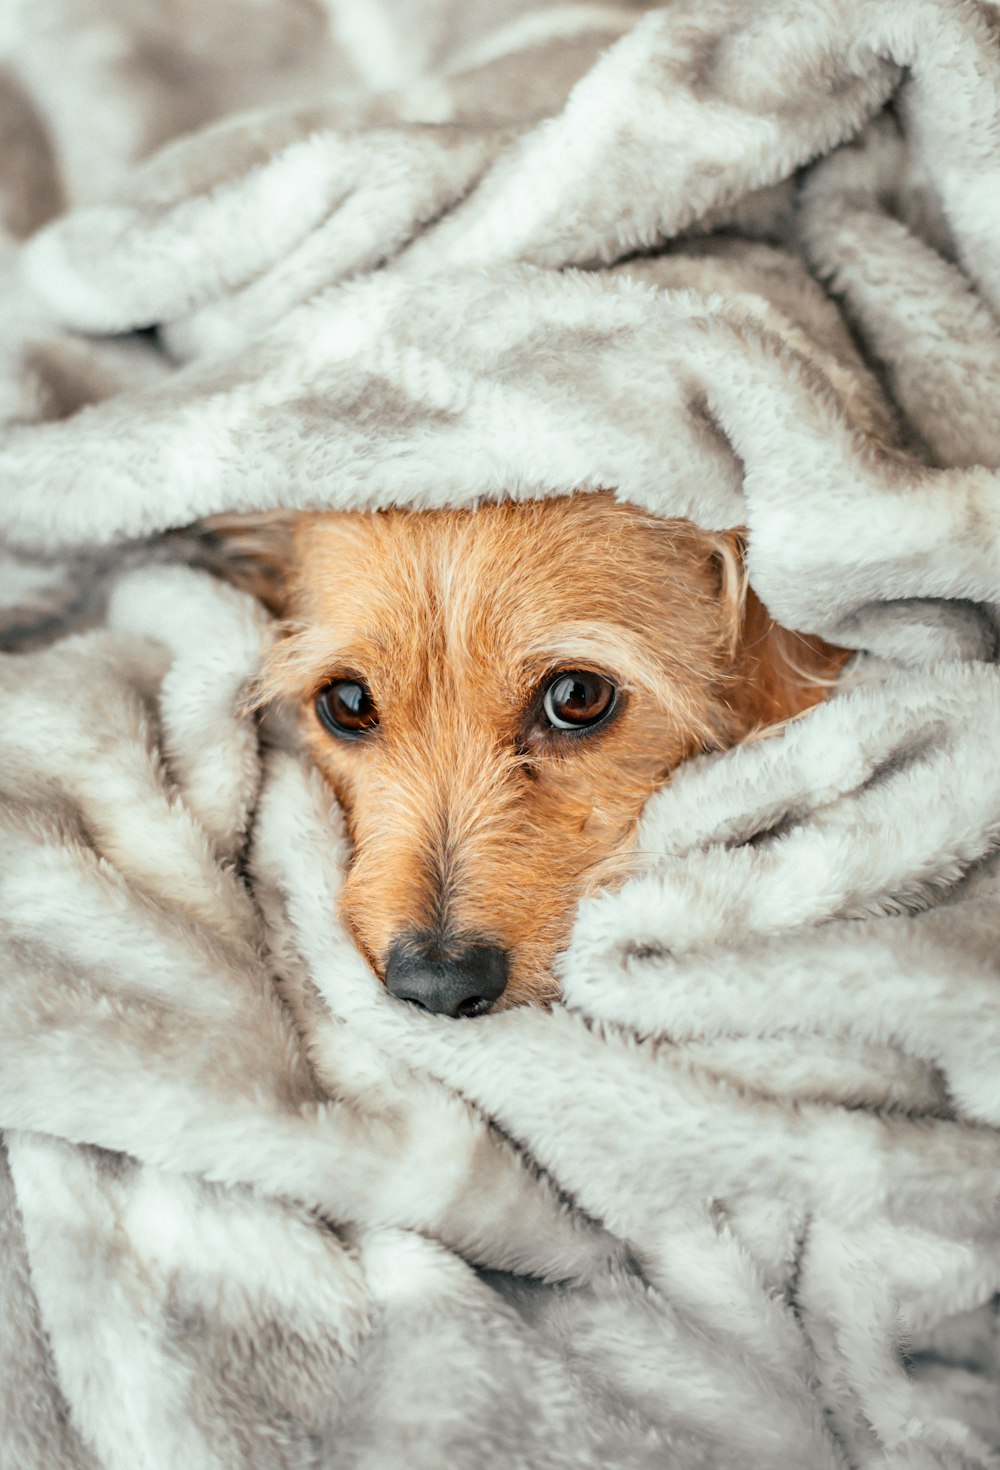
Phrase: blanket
(733, 1202)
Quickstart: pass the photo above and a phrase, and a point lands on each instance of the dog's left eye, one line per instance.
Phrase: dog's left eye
(346, 708)
(577, 700)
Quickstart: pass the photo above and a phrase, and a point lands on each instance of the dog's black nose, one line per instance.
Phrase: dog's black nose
(449, 979)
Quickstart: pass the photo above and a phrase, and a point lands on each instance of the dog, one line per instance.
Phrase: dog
(493, 694)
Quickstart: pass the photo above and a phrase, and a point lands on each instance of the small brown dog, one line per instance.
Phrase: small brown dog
(492, 695)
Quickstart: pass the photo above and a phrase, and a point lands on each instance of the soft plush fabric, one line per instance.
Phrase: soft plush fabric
(734, 1203)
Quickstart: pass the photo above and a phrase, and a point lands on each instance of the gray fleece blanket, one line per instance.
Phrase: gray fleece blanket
(734, 1202)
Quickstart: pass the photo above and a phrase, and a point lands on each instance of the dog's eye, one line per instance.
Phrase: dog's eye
(577, 700)
(346, 708)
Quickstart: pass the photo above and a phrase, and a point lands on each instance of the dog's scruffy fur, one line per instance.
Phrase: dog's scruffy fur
(473, 820)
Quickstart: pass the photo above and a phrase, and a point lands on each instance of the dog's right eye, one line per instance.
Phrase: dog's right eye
(346, 708)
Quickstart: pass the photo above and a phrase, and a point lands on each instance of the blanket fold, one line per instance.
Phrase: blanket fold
(733, 1201)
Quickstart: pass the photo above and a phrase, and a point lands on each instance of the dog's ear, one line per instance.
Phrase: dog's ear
(780, 674)
(777, 674)
(255, 552)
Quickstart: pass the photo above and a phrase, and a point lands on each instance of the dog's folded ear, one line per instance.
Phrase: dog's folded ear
(255, 552)
(777, 674)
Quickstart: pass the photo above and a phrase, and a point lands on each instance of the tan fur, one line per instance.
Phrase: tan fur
(465, 819)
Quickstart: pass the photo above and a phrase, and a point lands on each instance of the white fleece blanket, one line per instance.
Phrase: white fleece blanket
(735, 1202)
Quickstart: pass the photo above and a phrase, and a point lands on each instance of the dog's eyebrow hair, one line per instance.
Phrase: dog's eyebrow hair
(579, 644)
(301, 656)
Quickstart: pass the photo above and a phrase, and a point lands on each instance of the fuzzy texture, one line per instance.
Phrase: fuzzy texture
(733, 1202)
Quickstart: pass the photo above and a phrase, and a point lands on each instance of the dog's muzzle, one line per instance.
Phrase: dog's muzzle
(450, 978)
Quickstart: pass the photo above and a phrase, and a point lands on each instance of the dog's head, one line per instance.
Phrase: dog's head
(492, 695)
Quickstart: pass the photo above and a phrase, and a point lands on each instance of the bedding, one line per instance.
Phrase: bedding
(734, 1201)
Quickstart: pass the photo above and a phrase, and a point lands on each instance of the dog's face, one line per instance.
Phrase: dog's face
(493, 695)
